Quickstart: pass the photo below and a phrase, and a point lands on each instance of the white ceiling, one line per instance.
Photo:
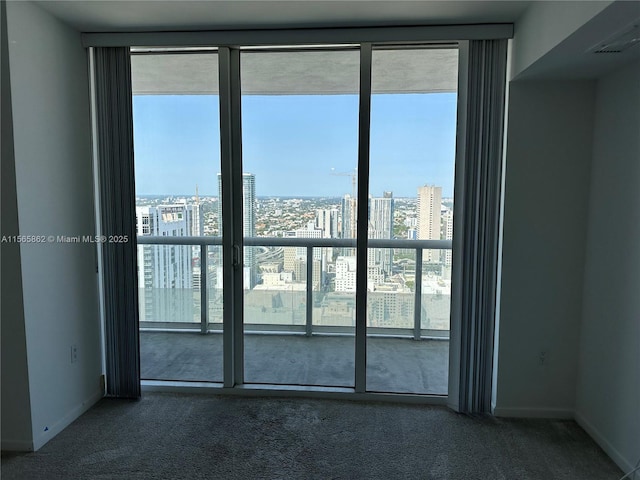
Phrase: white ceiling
(568, 59)
(574, 57)
(152, 15)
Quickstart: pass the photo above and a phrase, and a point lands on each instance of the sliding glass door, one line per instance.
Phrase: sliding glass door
(299, 144)
(335, 186)
(411, 177)
(177, 155)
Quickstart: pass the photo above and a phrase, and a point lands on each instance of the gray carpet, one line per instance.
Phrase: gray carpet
(171, 436)
(393, 364)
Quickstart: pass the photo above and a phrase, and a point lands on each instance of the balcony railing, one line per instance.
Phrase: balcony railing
(418, 246)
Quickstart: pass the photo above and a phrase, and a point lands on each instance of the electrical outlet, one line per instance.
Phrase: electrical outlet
(74, 353)
(543, 358)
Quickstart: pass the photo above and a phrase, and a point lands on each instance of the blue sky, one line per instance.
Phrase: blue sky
(292, 143)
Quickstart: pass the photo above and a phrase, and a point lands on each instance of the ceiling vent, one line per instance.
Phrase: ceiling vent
(620, 41)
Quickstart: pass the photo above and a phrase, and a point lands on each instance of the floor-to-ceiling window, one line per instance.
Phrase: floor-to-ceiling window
(299, 204)
(177, 156)
(299, 132)
(411, 177)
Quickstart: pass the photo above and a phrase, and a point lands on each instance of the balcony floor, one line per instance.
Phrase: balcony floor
(393, 364)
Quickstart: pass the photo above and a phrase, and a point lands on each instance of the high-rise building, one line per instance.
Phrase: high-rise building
(309, 232)
(429, 203)
(345, 274)
(348, 221)
(248, 224)
(295, 258)
(447, 218)
(249, 227)
(348, 226)
(389, 307)
(327, 221)
(381, 210)
(298, 271)
(166, 276)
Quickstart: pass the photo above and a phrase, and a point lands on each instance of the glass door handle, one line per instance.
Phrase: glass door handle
(236, 256)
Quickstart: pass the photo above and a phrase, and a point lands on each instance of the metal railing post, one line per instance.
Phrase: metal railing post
(417, 306)
(309, 316)
(204, 299)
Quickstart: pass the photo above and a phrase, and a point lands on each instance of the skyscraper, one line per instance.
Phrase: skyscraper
(295, 258)
(429, 204)
(346, 274)
(327, 221)
(348, 225)
(381, 212)
(166, 277)
(248, 223)
(447, 218)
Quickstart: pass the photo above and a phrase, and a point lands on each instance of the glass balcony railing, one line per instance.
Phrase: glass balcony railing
(410, 298)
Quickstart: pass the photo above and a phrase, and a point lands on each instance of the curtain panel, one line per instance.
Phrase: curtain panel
(485, 87)
(113, 100)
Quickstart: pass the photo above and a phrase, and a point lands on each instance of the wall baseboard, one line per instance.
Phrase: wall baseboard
(455, 406)
(568, 414)
(52, 430)
(17, 446)
(534, 412)
(625, 464)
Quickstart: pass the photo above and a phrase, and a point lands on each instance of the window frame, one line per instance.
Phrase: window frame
(231, 158)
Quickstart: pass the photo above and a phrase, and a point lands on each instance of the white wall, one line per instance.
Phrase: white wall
(545, 24)
(546, 193)
(16, 411)
(52, 142)
(608, 390)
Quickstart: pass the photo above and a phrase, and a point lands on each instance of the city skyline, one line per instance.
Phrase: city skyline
(192, 194)
(335, 216)
(169, 276)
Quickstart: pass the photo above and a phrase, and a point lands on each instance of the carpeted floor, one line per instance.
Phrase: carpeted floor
(174, 436)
